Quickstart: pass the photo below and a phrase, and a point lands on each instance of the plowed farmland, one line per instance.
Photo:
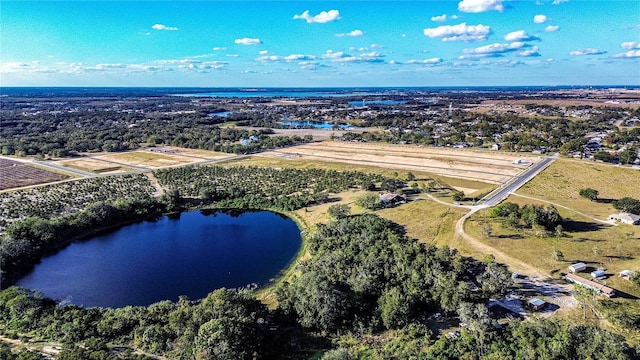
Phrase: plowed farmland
(14, 174)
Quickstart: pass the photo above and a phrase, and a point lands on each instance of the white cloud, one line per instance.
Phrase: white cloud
(430, 61)
(288, 58)
(263, 52)
(439, 18)
(353, 33)
(588, 51)
(164, 27)
(376, 46)
(520, 35)
(219, 48)
(529, 52)
(477, 6)
(628, 45)
(330, 54)
(462, 32)
(540, 19)
(233, 55)
(628, 55)
(552, 28)
(558, 2)
(340, 57)
(248, 41)
(322, 17)
(491, 50)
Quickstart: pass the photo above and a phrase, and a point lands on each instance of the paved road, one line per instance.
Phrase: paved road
(516, 182)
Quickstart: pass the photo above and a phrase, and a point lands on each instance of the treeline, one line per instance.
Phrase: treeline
(365, 275)
(67, 134)
(364, 293)
(24, 242)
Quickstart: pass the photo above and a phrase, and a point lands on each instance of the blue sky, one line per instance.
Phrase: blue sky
(319, 44)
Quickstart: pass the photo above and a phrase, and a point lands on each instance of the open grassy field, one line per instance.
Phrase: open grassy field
(490, 167)
(615, 248)
(561, 183)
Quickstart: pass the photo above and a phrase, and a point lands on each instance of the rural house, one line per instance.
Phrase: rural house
(626, 218)
(392, 199)
(536, 304)
(626, 274)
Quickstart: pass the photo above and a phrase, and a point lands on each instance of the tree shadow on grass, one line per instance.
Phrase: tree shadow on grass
(508, 236)
(582, 239)
(581, 226)
(605, 201)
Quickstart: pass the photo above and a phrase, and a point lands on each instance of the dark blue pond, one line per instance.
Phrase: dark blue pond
(191, 255)
(316, 125)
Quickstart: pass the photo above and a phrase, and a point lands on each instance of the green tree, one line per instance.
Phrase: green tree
(339, 211)
(589, 193)
(628, 204)
(368, 201)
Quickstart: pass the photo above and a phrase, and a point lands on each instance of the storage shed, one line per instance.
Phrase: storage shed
(577, 267)
(597, 274)
(536, 304)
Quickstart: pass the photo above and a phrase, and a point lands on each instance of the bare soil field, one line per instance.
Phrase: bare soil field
(621, 103)
(14, 174)
(94, 165)
(489, 167)
(148, 159)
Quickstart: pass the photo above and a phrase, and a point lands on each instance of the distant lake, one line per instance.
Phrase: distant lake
(274, 94)
(192, 254)
(221, 113)
(377, 102)
(315, 125)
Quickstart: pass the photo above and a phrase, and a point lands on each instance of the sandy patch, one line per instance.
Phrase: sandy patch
(491, 167)
(148, 159)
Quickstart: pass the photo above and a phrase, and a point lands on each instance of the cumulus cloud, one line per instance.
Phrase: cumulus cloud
(371, 57)
(631, 54)
(439, 18)
(430, 61)
(219, 48)
(353, 33)
(558, 2)
(532, 52)
(588, 51)
(552, 28)
(477, 6)
(520, 35)
(288, 58)
(628, 45)
(540, 19)
(330, 54)
(322, 17)
(492, 50)
(164, 27)
(460, 32)
(263, 52)
(248, 41)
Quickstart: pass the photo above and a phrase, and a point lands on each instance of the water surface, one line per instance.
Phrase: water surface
(191, 255)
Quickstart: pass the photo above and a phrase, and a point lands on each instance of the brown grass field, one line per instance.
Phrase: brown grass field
(94, 165)
(148, 159)
(615, 248)
(561, 183)
(14, 174)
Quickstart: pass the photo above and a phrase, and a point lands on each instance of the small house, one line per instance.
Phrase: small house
(577, 267)
(392, 199)
(496, 147)
(597, 274)
(626, 274)
(626, 218)
(536, 304)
